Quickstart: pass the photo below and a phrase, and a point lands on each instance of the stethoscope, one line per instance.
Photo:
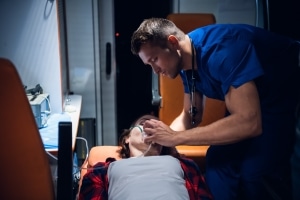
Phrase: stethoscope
(193, 110)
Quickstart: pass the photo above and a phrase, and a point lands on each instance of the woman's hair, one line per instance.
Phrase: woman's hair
(155, 31)
(124, 150)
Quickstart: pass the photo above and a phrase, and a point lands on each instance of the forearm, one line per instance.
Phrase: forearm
(183, 122)
(228, 130)
(180, 123)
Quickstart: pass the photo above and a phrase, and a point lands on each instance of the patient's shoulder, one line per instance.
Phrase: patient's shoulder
(188, 163)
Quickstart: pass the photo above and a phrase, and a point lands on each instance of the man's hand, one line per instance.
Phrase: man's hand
(158, 132)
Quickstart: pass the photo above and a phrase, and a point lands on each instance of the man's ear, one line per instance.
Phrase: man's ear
(173, 40)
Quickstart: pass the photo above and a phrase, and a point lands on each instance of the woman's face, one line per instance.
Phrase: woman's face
(136, 143)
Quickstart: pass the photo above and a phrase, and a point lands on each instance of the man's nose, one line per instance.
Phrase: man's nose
(156, 70)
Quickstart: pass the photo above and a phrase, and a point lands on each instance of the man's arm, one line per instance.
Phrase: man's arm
(244, 122)
(183, 121)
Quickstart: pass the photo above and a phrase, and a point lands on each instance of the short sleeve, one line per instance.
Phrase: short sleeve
(234, 65)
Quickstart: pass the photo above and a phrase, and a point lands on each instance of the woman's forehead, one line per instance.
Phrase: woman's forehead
(140, 122)
(140, 127)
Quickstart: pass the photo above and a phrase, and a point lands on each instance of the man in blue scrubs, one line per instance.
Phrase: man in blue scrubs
(255, 73)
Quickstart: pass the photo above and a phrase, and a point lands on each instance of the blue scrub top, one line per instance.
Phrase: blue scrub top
(233, 54)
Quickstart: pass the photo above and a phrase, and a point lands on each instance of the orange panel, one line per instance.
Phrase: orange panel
(171, 91)
(189, 21)
(25, 171)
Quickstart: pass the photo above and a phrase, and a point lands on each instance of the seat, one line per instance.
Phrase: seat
(97, 154)
(26, 173)
(101, 153)
(171, 90)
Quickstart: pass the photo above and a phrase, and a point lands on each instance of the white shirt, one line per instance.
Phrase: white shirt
(147, 178)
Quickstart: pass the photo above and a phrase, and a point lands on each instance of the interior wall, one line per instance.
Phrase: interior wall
(29, 38)
(225, 11)
(79, 23)
(195, 6)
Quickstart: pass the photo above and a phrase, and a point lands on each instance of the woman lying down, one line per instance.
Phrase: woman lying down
(146, 171)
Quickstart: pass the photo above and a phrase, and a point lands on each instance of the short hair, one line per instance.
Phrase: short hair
(155, 31)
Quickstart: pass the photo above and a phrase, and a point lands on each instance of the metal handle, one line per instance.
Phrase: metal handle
(108, 58)
(262, 14)
(156, 98)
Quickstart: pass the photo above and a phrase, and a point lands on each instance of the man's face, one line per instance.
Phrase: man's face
(166, 61)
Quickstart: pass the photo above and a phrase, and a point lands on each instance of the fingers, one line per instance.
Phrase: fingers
(150, 123)
(148, 139)
(150, 128)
